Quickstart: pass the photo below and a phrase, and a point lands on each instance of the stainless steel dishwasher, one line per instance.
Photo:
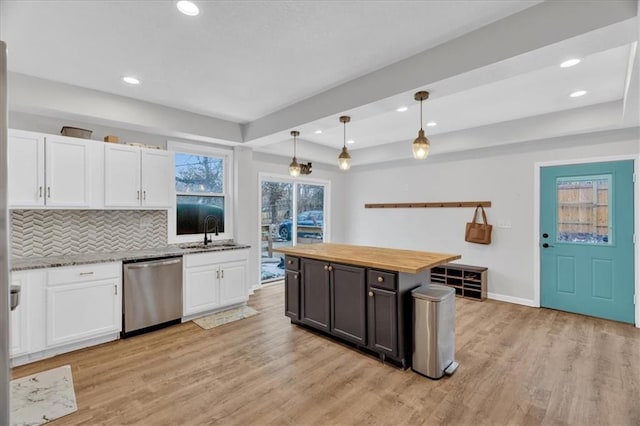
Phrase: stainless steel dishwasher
(152, 295)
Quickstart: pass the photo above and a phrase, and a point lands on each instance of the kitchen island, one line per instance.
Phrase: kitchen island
(358, 294)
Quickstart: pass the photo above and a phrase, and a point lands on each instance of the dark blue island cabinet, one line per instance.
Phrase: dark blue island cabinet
(368, 307)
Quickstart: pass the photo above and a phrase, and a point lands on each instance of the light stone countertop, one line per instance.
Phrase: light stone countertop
(21, 264)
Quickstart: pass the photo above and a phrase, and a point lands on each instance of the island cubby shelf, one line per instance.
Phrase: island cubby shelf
(467, 280)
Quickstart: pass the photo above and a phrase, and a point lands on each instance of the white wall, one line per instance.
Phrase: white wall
(503, 176)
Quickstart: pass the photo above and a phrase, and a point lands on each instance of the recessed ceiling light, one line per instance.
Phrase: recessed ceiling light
(317, 132)
(188, 8)
(578, 93)
(402, 109)
(130, 80)
(351, 141)
(569, 63)
(431, 124)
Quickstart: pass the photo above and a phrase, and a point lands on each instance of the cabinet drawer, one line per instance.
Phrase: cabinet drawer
(292, 263)
(381, 279)
(90, 272)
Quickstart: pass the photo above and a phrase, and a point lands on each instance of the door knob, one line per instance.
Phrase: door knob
(370, 294)
(380, 279)
(326, 267)
(545, 245)
(331, 268)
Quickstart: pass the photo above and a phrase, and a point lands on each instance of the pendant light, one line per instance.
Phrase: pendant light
(421, 144)
(294, 167)
(344, 159)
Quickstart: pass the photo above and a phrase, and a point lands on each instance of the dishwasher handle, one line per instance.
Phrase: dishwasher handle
(153, 264)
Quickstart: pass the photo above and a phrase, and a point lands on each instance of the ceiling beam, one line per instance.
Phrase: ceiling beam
(534, 28)
(45, 97)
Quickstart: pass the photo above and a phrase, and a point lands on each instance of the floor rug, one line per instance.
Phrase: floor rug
(42, 397)
(224, 317)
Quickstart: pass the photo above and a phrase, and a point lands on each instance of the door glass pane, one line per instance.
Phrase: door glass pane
(310, 221)
(584, 209)
(277, 227)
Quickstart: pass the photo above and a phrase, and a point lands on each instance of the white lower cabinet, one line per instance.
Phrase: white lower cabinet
(63, 309)
(214, 280)
(83, 310)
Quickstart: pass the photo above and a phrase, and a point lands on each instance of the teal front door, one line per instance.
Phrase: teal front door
(586, 239)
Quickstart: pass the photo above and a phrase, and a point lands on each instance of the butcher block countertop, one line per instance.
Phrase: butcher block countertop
(409, 261)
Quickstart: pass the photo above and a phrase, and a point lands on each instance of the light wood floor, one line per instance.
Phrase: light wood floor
(518, 365)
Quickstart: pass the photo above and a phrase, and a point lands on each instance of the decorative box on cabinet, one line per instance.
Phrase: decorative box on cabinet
(467, 280)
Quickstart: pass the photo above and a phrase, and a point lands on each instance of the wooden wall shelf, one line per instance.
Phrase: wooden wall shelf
(472, 204)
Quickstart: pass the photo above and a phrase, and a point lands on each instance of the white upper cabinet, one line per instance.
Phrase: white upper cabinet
(26, 169)
(67, 172)
(121, 176)
(54, 171)
(137, 177)
(157, 178)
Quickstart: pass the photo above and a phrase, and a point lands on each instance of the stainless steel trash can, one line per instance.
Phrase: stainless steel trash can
(433, 330)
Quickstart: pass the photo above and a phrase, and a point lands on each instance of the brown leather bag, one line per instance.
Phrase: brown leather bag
(479, 233)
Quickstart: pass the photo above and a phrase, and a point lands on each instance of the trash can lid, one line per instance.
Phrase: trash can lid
(432, 292)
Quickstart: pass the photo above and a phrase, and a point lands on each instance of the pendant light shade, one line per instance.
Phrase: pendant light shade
(294, 167)
(421, 144)
(344, 159)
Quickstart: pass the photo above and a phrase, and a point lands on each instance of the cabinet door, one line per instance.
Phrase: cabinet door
(315, 294)
(19, 318)
(201, 289)
(292, 294)
(232, 283)
(25, 152)
(157, 178)
(348, 299)
(83, 310)
(121, 176)
(383, 321)
(67, 172)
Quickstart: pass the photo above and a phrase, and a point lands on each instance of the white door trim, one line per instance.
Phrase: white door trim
(536, 219)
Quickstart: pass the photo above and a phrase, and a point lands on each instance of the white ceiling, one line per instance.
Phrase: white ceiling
(238, 60)
(272, 66)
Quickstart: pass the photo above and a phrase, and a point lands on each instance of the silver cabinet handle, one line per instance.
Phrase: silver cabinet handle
(137, 195)
(48, 192)
(218, 274)
(86, 273)
(115, 289)
(222, 274)
(40, 192)
(144, 195)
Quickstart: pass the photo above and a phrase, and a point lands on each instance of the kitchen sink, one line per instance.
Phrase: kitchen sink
(208, 246)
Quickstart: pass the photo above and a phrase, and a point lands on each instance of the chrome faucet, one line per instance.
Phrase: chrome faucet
(206, 223)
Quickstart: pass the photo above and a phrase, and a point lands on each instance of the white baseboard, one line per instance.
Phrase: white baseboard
(511, 299)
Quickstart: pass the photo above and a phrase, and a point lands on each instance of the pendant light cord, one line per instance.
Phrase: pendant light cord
(294, 147)
(420, 114)
(344, 136)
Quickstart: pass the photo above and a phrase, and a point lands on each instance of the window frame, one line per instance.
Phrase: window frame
(227, 191)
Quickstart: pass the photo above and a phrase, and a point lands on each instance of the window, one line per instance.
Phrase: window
(201, 186)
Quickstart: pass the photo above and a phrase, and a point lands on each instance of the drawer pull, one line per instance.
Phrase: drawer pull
(370, 294)
(380, 279)
(86, 273)
(295, 277)
(290, 262)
